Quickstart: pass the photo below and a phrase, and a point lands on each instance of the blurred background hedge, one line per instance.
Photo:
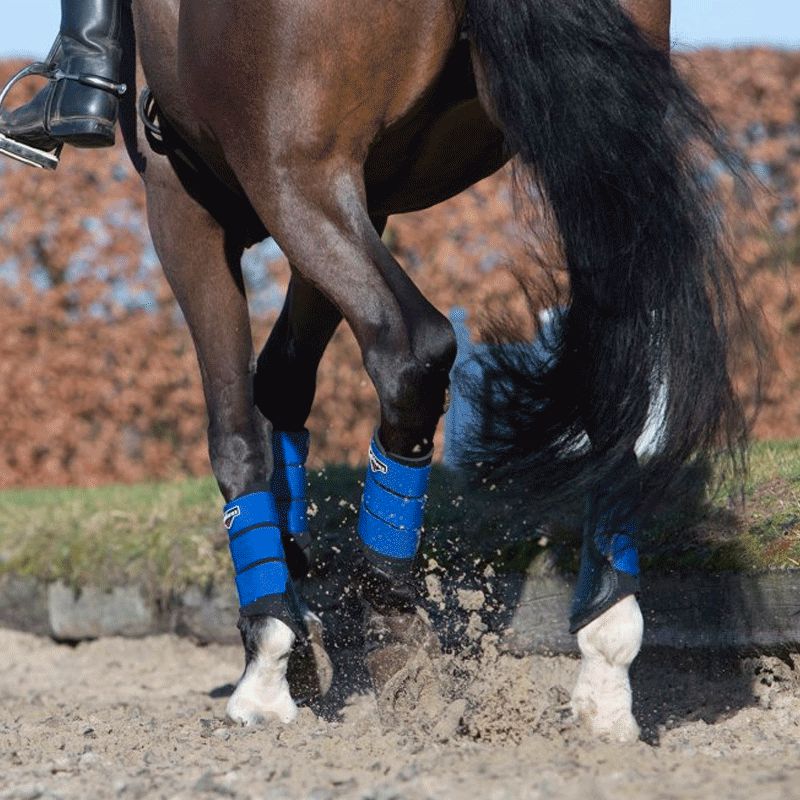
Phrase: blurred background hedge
(98, 381)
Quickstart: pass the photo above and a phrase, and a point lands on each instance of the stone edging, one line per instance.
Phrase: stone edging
(65, 614)
(726, 611)
(682, 611)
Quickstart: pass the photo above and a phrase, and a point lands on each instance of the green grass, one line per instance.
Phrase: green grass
(166, 533)
(169, 536)
(758, 532)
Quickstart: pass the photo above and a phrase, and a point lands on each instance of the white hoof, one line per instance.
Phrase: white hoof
(250, 708)
(602, 697)
(263, 691)
(617, 726)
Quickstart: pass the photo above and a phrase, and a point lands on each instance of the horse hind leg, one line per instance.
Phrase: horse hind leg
(602, 696)
(607, 619)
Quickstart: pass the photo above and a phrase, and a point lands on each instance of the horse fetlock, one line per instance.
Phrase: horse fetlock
(602, 696)
(384, 586)
(615, 637)
(263, 690)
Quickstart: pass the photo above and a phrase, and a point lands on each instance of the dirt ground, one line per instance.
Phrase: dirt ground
(145, 719)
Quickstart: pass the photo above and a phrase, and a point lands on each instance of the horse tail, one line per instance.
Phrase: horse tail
(607, 133)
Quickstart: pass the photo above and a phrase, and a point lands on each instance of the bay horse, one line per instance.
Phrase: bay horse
(312, 122)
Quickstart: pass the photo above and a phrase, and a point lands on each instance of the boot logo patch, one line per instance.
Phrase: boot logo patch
(375, 464)
(230, 516)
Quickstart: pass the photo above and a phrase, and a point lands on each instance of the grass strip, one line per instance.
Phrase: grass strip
(168, 536)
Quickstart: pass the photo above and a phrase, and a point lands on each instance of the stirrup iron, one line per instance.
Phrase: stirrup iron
(32, 156)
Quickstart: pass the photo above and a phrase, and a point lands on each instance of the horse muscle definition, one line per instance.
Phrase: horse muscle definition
(313, 122)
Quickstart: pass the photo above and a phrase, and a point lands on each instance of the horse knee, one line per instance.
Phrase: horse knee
(411, 380)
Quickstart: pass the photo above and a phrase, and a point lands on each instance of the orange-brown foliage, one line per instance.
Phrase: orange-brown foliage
(99, 383)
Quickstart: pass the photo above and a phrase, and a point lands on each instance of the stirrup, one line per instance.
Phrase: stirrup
(33, 156)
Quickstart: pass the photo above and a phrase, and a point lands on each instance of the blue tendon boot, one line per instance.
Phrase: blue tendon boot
(389, 530)
(262, 575)
(289, 486)
(390, 524)
(609, 565)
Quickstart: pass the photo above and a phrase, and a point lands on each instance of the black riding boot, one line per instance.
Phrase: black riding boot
(79, 106)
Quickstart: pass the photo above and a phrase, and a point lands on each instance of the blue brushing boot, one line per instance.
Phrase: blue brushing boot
(389, 529)
(609, 567)
(289, 486)
(262, 575)
(390, 526)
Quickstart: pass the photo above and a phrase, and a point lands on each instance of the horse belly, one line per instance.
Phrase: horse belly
(433, 141)
(456, 148)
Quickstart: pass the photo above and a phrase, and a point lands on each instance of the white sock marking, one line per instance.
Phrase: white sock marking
(263, 690)
(602, 696)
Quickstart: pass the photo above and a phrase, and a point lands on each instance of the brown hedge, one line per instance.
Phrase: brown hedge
(98, 381)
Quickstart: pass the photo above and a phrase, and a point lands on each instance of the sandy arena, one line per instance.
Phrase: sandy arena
(145, 719)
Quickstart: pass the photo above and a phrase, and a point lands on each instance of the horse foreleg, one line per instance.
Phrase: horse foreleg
(407, 347)
(202, 263)
(286, 372)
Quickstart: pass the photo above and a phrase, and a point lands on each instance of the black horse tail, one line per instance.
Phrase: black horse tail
(612, 143)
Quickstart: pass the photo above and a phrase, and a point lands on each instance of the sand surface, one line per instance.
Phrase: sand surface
(145, 719)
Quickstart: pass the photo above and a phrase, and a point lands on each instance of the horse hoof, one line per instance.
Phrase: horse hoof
(247, 708)
(263, 691)
(405, 631)
(401, 648)
(310, 670)
(620, 727)
(385, 663)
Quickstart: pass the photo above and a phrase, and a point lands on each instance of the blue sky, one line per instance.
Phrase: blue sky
(28, 28)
